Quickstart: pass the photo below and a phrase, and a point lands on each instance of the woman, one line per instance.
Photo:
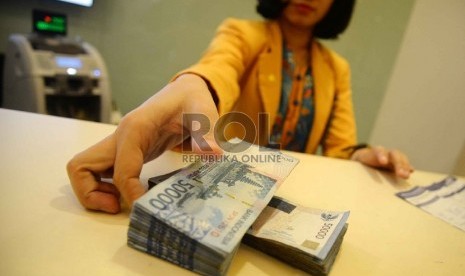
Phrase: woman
(277, 67)
(274, 66)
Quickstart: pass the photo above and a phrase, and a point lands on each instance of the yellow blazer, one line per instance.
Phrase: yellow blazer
(242, 66)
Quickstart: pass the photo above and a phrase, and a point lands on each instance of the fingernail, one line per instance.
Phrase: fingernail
(403, 172)
(383, 159)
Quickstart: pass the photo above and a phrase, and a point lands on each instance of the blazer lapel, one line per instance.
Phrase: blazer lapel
(323, 81)
(269, 73)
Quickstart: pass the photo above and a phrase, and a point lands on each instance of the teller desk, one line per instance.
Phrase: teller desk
(45, 231)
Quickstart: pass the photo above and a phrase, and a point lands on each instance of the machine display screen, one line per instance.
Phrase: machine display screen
(85, 3)
(68, 62)
(49, 23)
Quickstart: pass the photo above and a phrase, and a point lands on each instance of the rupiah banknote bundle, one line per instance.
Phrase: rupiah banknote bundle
(303, 237)
(197, 217)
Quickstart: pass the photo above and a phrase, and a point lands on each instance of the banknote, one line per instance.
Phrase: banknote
(270, 161)
(214, 203)
(306, 238)
(197, 216)
(310, 230)
(444, 199)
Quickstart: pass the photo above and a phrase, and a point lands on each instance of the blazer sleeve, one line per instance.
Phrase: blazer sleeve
(232, 49)
(340, 135)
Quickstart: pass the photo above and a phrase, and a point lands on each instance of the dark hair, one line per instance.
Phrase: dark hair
(331, 26)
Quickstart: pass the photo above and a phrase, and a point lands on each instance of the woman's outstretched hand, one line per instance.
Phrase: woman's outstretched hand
(143, 134)
(379, 157)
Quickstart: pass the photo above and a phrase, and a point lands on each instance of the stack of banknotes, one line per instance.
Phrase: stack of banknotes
(197, 217)
(306, 238)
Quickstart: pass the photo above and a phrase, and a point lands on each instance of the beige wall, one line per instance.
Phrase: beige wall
(144, 42)
(371, 45)
(460, 164)
(423, 111)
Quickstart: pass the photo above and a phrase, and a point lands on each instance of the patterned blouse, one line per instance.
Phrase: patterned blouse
(294, 119)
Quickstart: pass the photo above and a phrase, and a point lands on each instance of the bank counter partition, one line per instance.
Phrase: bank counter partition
(45, 231)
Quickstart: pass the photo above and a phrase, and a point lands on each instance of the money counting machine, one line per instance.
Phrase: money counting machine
(49, 73)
